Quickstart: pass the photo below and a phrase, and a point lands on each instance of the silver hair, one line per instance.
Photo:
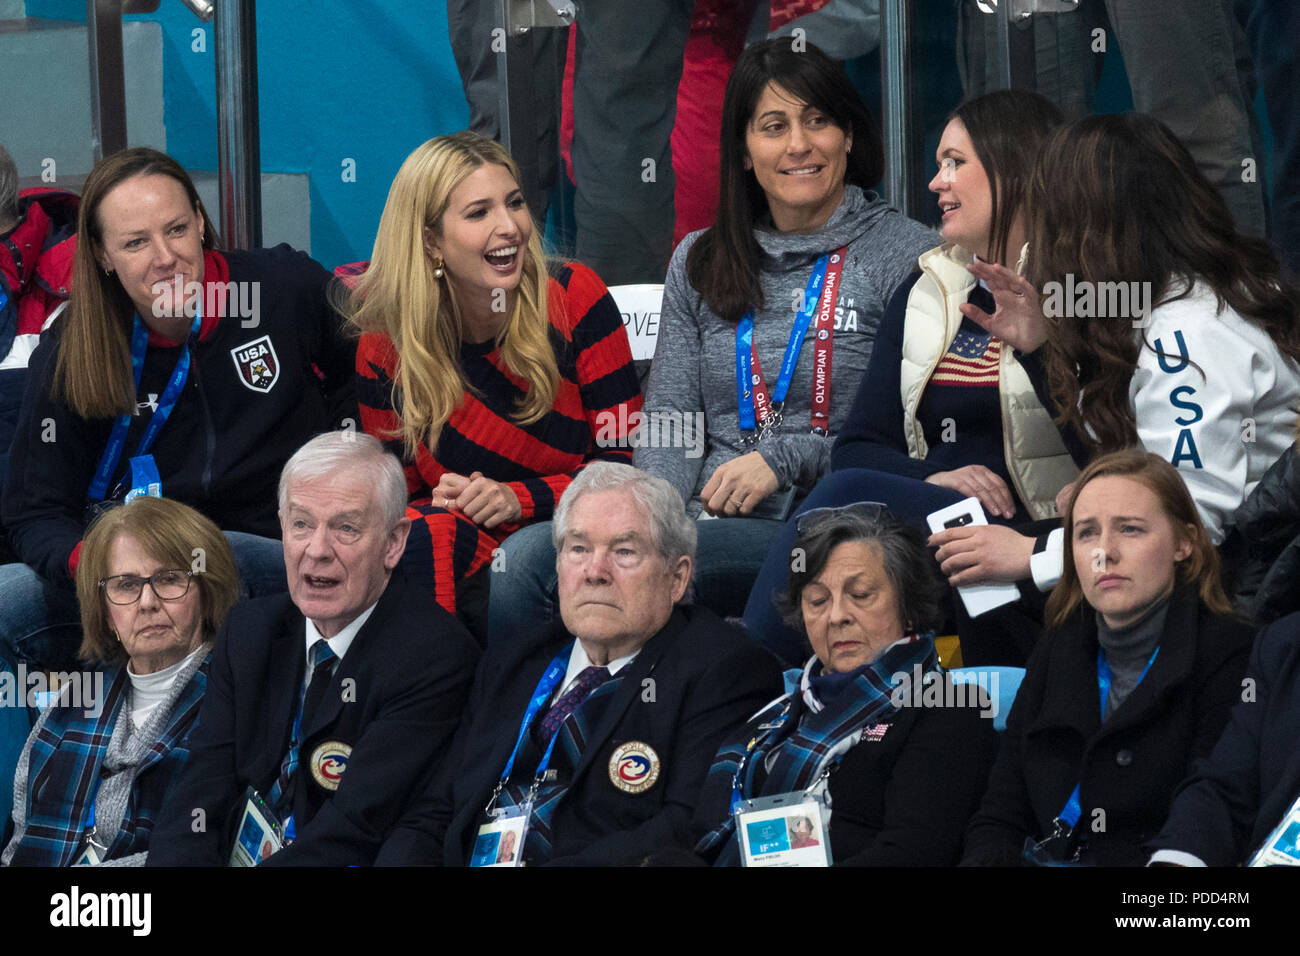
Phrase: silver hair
(351, 451)
(673, 533)
(8, 188)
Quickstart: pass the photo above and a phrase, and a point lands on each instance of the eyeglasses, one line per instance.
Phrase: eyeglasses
(815, 518)
(168, 584)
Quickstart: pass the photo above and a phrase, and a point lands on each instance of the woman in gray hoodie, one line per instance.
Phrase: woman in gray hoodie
(769, 315)
(798, 269)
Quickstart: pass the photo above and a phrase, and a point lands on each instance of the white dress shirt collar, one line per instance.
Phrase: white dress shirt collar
(579, 662)
(341, 641)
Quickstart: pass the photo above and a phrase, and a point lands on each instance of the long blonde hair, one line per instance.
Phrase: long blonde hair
(399, 295)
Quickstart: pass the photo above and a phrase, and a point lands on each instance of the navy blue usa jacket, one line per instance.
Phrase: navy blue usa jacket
(230, 433)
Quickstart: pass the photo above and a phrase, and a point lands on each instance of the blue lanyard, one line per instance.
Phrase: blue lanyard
(545, 687)
(89, 830)
(175, 385)
(737, 794)
(1072, 809)
(745, 350)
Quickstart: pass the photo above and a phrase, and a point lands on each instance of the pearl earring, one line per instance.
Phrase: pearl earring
(437, 268)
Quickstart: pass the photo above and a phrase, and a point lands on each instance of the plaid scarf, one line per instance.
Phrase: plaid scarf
(787, 755)
(564, 761)
(67, 762)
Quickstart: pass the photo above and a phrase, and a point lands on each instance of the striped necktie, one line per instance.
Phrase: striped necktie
(588, 680)
(321, 660)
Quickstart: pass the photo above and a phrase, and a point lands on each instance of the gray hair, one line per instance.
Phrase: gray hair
(352, 451)
(903, 555)
(8, 189)
(673, 533)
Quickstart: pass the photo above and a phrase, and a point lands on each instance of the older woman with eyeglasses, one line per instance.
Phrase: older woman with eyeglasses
(156, 579)
(876, 731)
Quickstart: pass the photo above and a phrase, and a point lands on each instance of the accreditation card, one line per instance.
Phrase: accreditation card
(1282, 848)
(786, 829)
(258, 834)
(501, 842)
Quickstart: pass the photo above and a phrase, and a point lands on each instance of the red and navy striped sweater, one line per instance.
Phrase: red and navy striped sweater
(537, 461)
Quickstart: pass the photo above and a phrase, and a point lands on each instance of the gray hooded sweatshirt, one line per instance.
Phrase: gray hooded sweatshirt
(694, 369)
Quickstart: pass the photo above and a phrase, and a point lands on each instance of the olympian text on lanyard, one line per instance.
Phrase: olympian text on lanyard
(175, 385)
(760, 413)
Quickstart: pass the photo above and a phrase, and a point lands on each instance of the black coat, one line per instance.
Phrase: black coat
(1236, 797)
(692, 683)
(903, 799)
(408, 671)
(1261, 554)
(1130, 766)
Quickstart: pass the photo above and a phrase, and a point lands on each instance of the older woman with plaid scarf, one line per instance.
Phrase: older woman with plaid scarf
(155, 581)
(876, 731)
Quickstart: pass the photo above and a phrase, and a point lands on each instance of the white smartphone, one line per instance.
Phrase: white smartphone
(978, 598)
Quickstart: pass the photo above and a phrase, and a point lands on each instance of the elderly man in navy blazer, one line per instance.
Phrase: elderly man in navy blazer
(1250, 783)
(590, 740)
(330, 702)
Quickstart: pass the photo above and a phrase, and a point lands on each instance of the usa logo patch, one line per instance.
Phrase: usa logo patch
(256, 364)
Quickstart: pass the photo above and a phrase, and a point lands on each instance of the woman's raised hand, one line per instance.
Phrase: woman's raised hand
(1017, 318)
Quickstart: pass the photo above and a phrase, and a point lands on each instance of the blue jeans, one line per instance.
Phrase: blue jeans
(524, 588)
(522, 584)
(911, 500)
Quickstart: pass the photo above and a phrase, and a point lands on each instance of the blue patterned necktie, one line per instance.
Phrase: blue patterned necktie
(588, 680)
(320, 658)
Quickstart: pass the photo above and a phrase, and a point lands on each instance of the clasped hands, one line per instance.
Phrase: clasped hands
(482, 500)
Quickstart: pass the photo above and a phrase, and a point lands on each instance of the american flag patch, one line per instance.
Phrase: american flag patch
(971, 360)
(875, 733)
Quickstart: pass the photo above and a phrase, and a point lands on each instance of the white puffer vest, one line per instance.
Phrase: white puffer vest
(1035, 455)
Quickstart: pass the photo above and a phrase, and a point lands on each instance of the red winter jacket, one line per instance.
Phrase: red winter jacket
(36, 265)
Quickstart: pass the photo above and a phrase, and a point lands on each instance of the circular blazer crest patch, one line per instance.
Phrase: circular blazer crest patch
(634, 767)
(328, 761)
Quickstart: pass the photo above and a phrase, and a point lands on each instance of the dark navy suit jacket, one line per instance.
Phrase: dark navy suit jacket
(1236, 796)
(395, 698)
(692, 684)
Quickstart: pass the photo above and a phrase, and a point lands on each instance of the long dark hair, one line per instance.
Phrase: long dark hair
(1119, 199)
(92, 374)
(722, 266)
(1008, 129)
